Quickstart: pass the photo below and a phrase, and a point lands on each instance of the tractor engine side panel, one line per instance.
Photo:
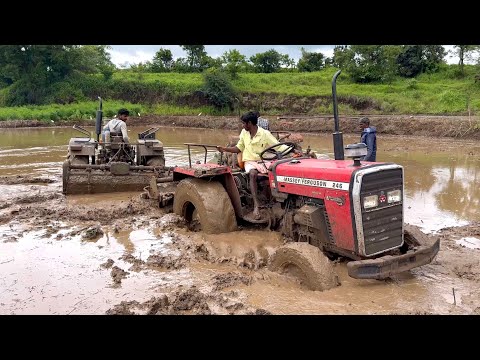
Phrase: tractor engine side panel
(326, 180)
(337, 204)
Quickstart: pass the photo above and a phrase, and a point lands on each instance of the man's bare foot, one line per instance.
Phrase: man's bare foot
(256, 214)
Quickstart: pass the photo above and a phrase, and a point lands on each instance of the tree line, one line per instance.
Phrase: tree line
(42, 74)
(364, 63)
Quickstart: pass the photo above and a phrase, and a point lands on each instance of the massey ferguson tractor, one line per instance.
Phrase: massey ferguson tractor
(110, 164)
(325, 208)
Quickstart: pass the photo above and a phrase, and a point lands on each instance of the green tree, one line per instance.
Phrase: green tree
(94, 59)
(368, 63)
(464, 52)
(181, 65)
(234, 62)
(209, 62)
(434, 57)
(416, 59)
(162, 61)
(343, 56)
(267, 62)
(287, 62)
(32, 70)
(197, 58)
(310, 61)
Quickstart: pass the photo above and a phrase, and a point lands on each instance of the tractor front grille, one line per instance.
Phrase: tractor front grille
(383, 224)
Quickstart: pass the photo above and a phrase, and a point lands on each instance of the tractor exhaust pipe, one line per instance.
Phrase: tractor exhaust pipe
(98, 120)
(337, 135)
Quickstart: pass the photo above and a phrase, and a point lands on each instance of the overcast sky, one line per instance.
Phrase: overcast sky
(133, 54)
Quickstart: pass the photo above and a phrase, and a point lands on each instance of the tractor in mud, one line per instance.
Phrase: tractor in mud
(325, 208)
(110, 164)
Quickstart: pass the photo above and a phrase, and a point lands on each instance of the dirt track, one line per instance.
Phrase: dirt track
(80, 256)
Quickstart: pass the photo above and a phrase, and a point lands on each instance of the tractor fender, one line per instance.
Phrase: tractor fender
(213, 172)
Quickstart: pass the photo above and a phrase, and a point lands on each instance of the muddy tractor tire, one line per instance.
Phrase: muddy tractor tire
(156, 161)
(205, 205)
(306, 263)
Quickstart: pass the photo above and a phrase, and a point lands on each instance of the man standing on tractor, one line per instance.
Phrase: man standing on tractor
(253, 140)
(118, 124)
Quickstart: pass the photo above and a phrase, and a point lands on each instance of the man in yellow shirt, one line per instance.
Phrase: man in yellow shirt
(253, 140)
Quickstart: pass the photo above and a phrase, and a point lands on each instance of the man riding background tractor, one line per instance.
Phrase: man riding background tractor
(113, 162)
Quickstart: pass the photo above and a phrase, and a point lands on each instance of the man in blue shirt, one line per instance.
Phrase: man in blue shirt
(369, 138)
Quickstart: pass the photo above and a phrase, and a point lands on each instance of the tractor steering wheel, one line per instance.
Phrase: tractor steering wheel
(278, 155)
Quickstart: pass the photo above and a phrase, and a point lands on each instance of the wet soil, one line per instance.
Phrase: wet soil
(120, 254)
(123, 255)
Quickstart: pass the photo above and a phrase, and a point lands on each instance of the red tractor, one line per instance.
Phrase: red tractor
(325, 208)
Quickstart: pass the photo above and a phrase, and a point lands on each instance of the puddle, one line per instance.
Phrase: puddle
(42, 275)
(469, 242)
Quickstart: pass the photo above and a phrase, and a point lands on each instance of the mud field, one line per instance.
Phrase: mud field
(120, 254)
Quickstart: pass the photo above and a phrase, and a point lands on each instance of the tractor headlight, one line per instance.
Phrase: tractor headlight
(394, 196)
(370, 201)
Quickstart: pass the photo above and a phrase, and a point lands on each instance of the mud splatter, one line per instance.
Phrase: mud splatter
(118, 274)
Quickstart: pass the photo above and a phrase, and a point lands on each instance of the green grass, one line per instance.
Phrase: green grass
(440, 93)
(177, 83)
(55, 112)
(168, 109)
(87, 110)
(434, 94)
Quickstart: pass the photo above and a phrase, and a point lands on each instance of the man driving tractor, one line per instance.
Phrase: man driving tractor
(253, 140)
(118, 124)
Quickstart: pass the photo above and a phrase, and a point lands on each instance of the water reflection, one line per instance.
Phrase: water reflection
(440, 176)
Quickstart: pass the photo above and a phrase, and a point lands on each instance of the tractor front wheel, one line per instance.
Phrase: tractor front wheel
(305, 263)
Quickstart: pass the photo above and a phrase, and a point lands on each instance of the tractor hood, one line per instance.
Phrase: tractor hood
(333, 174)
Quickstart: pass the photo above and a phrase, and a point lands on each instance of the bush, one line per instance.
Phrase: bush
(217, 89)
(412, 84)
(64, 93)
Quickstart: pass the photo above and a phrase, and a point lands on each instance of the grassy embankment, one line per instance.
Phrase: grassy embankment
(169, 93)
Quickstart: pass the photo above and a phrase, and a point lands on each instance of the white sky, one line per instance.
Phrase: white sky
(122, 55)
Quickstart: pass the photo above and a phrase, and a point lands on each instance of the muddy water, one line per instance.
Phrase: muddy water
(60, 273)
(440, 174)
(44, 275)
(48, 267)
(417, 292)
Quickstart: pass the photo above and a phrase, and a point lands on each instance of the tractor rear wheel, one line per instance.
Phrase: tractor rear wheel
(205, 205)
(306, 263)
